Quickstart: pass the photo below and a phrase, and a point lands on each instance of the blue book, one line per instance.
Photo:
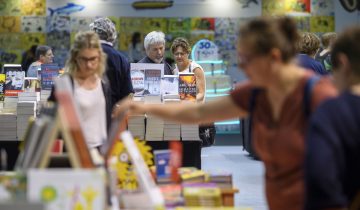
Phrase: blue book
(162, 164)
(48, 73)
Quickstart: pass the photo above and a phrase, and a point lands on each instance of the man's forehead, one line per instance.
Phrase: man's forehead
(156, 45)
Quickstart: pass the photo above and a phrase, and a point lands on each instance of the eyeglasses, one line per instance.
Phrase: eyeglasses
(85, 60)
(181, 54)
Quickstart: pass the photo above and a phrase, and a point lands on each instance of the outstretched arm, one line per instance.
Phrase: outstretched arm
(199, 113)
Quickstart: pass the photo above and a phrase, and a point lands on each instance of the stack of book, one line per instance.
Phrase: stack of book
(154, 125)
(192, 176)
(190, 132)
(10, 103)
(8, 127)
(223, 180)
(154, 128)
(171, 129)
(136, 125)
(44, 95)
(25, 110)
(202, 196)
(27, 96)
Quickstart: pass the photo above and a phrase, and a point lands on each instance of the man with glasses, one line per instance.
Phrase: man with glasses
(117, 68)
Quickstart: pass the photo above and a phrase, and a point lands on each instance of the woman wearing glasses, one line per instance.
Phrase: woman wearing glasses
(266, 51)
(86, 66)
(181, 50)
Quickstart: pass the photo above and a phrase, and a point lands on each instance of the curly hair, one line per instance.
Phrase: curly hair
(181, 42)
(309, 43)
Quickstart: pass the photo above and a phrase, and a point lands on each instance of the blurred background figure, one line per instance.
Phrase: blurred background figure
(181, 50)
(43, 55)
(136, 48)
(86, 66)
(117, 65)
(333, 143)
(28, 57)
(154, 44)
(308, 46)
(324, 54)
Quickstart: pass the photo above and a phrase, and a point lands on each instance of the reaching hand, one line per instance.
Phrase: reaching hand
(128, 105)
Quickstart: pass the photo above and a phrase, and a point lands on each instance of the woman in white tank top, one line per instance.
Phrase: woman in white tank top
(181, 49)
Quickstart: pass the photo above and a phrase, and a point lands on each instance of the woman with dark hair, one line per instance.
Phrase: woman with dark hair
(136, 49)
(266, 50)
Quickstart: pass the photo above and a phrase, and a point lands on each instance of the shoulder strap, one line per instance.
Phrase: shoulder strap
(310, 83)
(254, 93)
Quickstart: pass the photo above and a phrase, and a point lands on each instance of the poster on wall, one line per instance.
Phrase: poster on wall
(280, 7)
(322, 24)
(10, 24)
(33, 24)
(322, 8)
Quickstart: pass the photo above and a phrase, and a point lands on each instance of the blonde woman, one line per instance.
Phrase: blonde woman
(86, 66)
(181, 50)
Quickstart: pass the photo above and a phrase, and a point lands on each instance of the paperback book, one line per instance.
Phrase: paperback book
(14, 79)
(48, 73)
(187, 86)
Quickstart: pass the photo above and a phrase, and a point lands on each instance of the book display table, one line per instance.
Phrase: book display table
(191, 156)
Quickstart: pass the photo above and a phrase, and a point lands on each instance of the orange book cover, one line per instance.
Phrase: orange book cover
(187, 87)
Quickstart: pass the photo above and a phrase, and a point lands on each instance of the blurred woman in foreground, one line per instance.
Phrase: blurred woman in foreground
(266, 51)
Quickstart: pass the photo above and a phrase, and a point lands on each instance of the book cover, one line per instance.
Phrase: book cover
(170, 85)
(31, 84)
(187, 86)
(14, 79)
(137, 80)
(48, 73)
(152, 82)
(137, 72)
(2, 86)
(162, 164)
(67, 189)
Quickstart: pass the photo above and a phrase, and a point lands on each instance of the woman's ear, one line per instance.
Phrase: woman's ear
(344, 63)
(276, 55)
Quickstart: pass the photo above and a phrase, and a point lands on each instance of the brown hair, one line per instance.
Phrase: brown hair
(309, 43)
(181, 42)
(85, 40)
(326, 38)
(348, 43)
(264, 34)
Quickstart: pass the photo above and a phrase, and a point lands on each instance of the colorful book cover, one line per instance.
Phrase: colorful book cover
(48, 73)
(2, 86)
(14, 79)
(162, 164)
(152, 82)
(67, 189)
(187, 86)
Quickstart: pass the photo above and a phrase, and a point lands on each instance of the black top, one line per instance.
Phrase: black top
(332, 168)
(118, 74)
(167, 68)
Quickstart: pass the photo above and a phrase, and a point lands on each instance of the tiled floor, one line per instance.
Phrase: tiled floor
(247, 173)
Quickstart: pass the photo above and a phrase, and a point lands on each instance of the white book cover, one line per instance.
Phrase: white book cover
(169, 85)
(137, 72)
(67, 189)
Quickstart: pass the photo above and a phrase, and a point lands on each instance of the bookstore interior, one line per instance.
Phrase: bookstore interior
(146, 162)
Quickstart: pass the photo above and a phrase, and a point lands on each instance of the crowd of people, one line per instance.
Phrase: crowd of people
(311, 159)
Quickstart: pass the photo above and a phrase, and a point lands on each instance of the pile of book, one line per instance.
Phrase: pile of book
(25, 110)
(202, 196)
(27, 96)
(154, 125)
(190, 132)
(171, 129)
(136, 125)
(192, 175)
(10, 103)
(8, 127)
(222, 179)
